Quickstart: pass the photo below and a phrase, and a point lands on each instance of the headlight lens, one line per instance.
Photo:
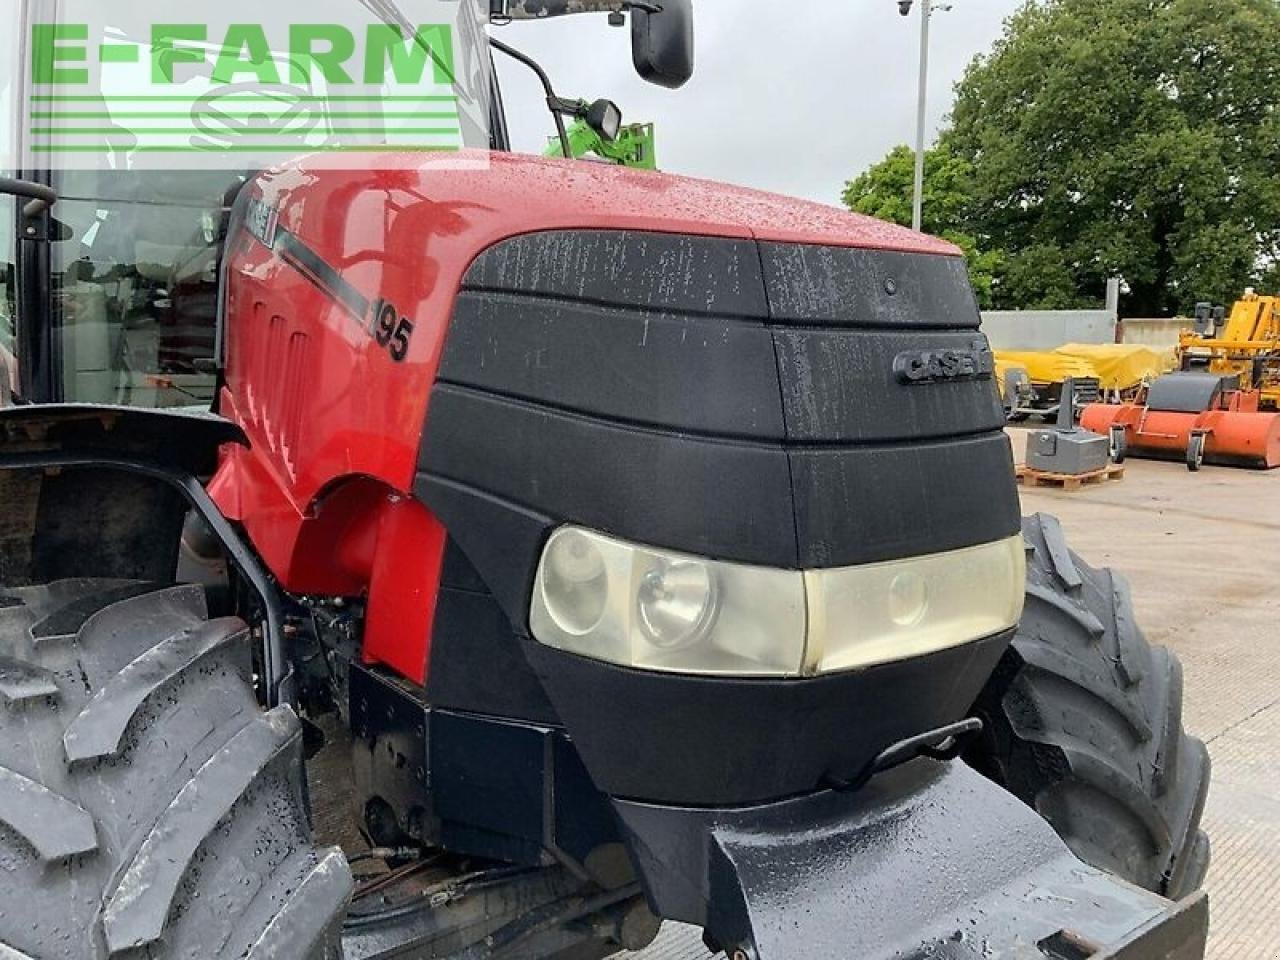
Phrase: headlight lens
(577, 586)
(877, 612)
(660, 610)
(676, 603)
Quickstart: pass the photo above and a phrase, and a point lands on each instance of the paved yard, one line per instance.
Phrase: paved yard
(1202, 552)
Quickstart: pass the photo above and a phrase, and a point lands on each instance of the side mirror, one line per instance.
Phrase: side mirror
(662, 41)
(604, 118)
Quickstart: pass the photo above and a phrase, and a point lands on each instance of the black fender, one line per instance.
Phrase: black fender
(97, 490)
(176, 440)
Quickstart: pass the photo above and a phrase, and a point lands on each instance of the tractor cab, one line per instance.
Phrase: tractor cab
(128, 264)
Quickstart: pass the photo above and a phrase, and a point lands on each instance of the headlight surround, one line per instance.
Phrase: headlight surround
(655, 609)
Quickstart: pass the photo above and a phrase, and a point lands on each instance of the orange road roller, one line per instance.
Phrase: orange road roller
(1193, 415)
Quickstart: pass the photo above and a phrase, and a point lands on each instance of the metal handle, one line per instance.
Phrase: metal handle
(41, 197)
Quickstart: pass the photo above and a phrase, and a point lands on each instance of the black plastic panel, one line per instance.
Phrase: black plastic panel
(497, 536)
(490, 787)
(871, 288)
(661, 271)
(866, 504)
(749, 503)
(703, 374)
(708, 741)
(711, 497)
(841, 386)
(476, 666)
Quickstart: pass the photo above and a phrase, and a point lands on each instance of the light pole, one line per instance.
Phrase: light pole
(926, 14)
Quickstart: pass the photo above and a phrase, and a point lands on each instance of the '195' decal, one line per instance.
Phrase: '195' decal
(389, 329)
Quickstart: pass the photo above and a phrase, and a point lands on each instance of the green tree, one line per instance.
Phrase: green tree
(1138, 138)
(885, 191)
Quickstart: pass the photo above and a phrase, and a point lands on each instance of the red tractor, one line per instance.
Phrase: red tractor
(649, 546)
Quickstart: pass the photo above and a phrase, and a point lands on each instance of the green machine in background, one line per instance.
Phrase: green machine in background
(597, 132)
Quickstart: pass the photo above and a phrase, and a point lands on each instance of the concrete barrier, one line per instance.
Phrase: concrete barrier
(1046, 329)
(1160, 333)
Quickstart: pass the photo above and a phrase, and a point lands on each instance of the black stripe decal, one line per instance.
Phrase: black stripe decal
(314, 267)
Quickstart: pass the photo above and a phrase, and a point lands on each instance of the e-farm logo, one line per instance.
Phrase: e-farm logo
(240, 94)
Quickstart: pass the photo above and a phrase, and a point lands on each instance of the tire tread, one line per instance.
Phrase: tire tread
(172, 802)
(1084, 723)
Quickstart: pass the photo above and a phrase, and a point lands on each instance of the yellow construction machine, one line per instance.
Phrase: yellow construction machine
(1244, 343)
(1222, 406)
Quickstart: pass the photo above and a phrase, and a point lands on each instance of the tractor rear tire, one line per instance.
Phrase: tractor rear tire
(148, 805)
(1083, 722)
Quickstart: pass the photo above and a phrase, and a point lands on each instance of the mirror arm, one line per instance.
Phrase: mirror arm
(570, 108)
(552, 99)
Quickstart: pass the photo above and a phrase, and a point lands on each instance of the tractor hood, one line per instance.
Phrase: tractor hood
(727, 375)
(502, 194)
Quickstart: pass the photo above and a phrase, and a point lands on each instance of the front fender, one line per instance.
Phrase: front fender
(96, 491)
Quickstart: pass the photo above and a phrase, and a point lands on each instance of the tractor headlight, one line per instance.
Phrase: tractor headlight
(575, 582)
(877, 612)
(676, 603)
(660, 610)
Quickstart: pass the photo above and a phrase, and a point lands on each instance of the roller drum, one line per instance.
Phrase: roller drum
(1231, 437)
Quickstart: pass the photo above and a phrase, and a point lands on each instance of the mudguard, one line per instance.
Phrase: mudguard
(183, 441)
(132, 531)
(929, 861)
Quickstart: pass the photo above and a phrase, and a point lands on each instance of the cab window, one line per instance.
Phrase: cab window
(135, 285)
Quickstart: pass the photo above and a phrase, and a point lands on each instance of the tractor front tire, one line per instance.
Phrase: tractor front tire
(148, 805)
(1083, 722)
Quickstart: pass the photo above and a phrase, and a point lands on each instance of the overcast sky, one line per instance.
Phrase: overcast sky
(796, 96)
